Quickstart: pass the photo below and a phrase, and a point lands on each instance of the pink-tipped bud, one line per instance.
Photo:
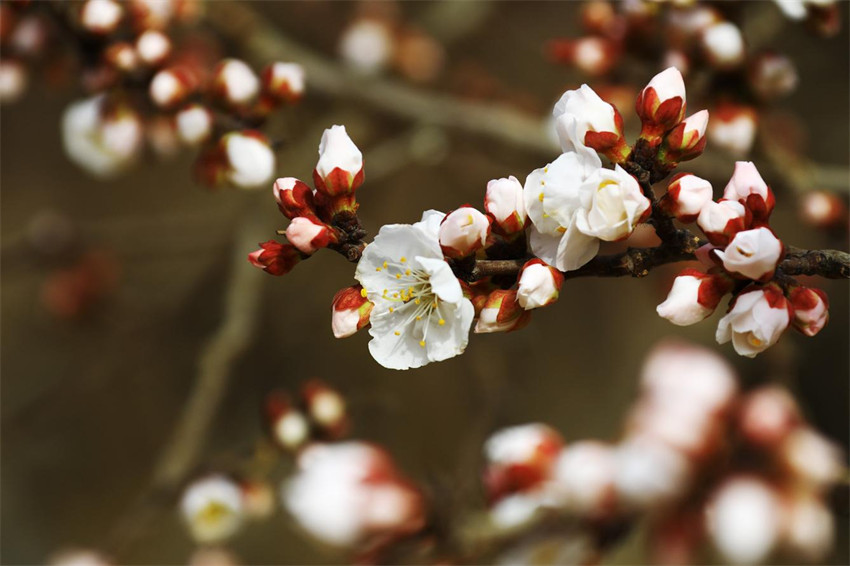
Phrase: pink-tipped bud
(811, 309)
(284, 81)
(235, 82)
(287, 426)
(309, 235)
(723, 45)
(339, 170)
(661, 104)
(686, 195)
(294, 198)
(747, 187)
(501, 313)
(753, 254)
(733, 128)
(767, 416)
(520, 458)
(194, 124)
(687, 140)
(153, 47)
(326, 408)
(351, 310)
(721, 220)
(101, 17)
(539, 284)
(505, 203)
(463, 232)
(171, 87)
(275, 258)
(693, 297)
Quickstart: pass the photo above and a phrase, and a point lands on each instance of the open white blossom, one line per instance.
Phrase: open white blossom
(553, 200)
(612, 205)
(581, 111)
(420, 313)
(101, 146)
(212, 508)
(755, 322)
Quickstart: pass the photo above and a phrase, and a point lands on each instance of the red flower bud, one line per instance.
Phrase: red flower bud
(275, 258)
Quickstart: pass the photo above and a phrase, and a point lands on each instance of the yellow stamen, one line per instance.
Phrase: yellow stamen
(441, 322)
(397, 333)
(363, 293)
(422, 343)
(407, 272)
(398, 275)
(391, 309)
(540, 198)
(403, 259)
(385, 265)
(377, 269)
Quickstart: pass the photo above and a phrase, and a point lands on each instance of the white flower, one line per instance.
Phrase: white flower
(756, 321)
(463, 231)
(583, 480)
(153, 47)
(194, 124)
(251, 161)
(752, 253)
(236, 81)
(613, 204)
(367, 45)
(744, 520)
(723, 44)
(650, 473)
(581, 111)
(539, 285)
(103, 146)
(553, 199)
(212, 508)
(101, 16)
(682, 306)
(420, 313)
(505, 202)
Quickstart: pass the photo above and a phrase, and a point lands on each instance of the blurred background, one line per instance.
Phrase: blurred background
(103, 342)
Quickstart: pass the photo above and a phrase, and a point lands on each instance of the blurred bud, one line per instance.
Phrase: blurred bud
(102, 139)
(30, 36)
(520, 458)
(235, 82)
(101, 16)
(213, 556)
(194, 124)
(463, 231)
(350, 493)
(339, 170)
(744, 520)
(351, 310)
(418, 56)
(367, 45)
(504, 202)
(583, 479)
(287, 425)
(153, 47)
(756, 320)
(813, 461)
(687, 140)
(284, 81)
(501, 313)
(161, 135)
(767, 416)
(171, 87)
(249, 159)
(294, 198)
(326, 407)
(598, 16)
(811, 309)
(693, 297)
(309, 235)
(592, 55)
(153, 14)
(824, 210)
(539, 284)
(678, 59)
(650, 474)
(747, 187)
(733, 128)
(772, 75)
(212, 508)
(51, 233)
(79, 557)
(723, 45)
(661, 104)
(721, 220)
(753, 254)
(809, 529)
(13, 80)
(122, 56)
(275, 258)
(686, 195)
(258, 499)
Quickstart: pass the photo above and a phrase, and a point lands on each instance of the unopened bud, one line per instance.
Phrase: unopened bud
(351, 310)
(235, 82)
(194, 124)
(747, 187)
(685, 197)
(294, 197)
(811, 309)
(284, 81)
(753, 254)
(463, 231)
(721, 220)
(275, 258)
(661, 104)
(309, 235)
(339, 170)
(504, 202)
(693, 297)
(539, 284)
(687, 140)
(501, 313)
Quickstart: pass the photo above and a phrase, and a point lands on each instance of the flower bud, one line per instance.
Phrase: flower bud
(284, 81)
(744, 520)
(501, 313)
(539, 284)
(194, 124)
(351, 310)
(250, 161)
(294, 198)
(13, 80)
(103, 137)
(592, 55)
(723, 45)
(153, 47)
(520, 458)
(309, 235)
(584, 120)
(235, 82)
(288, 426)
(339, 170)
(811, 309)
(325, 406)
(367, 45)
(824, 210)
(693, 297)
(687, 140)
(30, 36)
(809, 529)
(733, 128)
(813, 461)
(721, 220)
(772, 76)
(650, 473)
(747, 187)
(171, 86)
(753, 254)
(756, 320)
(686, 195)
(101, 17)
(584, 478)
(767, 416)
(275, 258)
(504, 202)
(212, 508)
(463, 231)
(661, 104)
(122, 56)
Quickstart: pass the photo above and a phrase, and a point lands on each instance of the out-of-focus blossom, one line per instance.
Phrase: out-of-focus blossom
(814, 461)
(583, 478)
(287, 425)
(772, 76)
(101, 16)
(13, 80)
(170, 87)
(102, 141)
(326, 408)
(235, 82)
(824, 210)
(194, 124)
(153, 47)
(79, 557)
(367, 45)
(767, 416)
(723, 45)
(744, 520)
(250, 161)
(733, 128)
(284, 81)
(212, 508)
(520, 458)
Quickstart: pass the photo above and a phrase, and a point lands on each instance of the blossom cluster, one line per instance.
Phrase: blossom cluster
(700, 459)
(741, 258)
(147, 84)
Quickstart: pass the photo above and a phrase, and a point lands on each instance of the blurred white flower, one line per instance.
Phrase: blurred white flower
(102, 144)
(212, 508)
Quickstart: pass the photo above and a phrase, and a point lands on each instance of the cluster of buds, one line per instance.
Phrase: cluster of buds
(690, 428)
(324, 217)
(320, 414)
(148, 83)
(742, 258)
